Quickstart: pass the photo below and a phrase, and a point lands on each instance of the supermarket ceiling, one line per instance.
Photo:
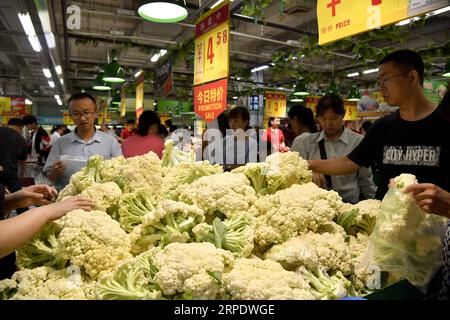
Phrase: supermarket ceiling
(107, 24)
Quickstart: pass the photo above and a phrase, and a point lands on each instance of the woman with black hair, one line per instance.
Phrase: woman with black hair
(147, 139)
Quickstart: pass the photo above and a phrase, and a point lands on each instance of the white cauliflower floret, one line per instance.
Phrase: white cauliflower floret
(143, 172)
(103, 195)
(228, 194)
(312, 250)
(293, 168)
(255, 279)
(93, 241)
(183, 269)
(293, 211)
(44, 283)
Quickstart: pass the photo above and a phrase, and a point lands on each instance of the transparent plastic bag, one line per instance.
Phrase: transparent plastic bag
(406, 242)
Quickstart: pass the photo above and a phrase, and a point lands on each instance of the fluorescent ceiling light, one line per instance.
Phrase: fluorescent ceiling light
(438, 11)
(58, 70)
(406, 21)
(28, 27)
(35, 44)
(217, 3)
(155, 57)
(57, 97)
(59, 102)
(238, 78)
(51, 84)
(280, 88)
(235, 98)
(47, 73)
(370, 71)
(62, 81)
(354, 74)
(137, 74)
(27, 24)
(162, 52)
(260, 68)
(50, 38)
(28, 102)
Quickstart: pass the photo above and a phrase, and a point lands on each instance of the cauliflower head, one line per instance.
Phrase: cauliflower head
(219, 194)
(255, 279)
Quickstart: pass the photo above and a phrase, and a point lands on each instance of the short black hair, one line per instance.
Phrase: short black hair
(331, 101)
(168, 123)
(304, 115)
(162, 130)
(82, 95)
(147, 119)
(406, 61)
(29, 119)
(130, 121)
(239, 112)
(15, 122)
(269, 124)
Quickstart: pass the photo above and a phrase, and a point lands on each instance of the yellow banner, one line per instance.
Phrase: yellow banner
(339, 19)
(212, 43)
(67, 119)
(123, 104)
(275, 106)
(351, 110)
(5, 104)
(139, 100)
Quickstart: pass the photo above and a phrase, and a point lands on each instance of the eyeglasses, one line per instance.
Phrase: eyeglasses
(382, 83)
(85, 114)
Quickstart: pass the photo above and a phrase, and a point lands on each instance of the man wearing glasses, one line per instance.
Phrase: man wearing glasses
(414, 139)
(81, 144)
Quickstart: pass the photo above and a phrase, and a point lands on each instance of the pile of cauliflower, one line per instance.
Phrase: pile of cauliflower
(180, 229)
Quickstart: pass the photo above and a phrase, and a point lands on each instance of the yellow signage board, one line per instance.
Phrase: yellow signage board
(140, 96)
(338, 19)
(275, 106)
(351, 110)
(5, 104)
(123, 104)
(67, 119)
(212, 43)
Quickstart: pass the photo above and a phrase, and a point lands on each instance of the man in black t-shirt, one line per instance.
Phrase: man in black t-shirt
(13, 149)
(415, 139)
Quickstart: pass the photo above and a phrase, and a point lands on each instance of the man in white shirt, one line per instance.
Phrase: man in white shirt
(84, 142)
(335, 141)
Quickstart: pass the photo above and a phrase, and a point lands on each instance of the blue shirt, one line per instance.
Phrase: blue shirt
(73, 146)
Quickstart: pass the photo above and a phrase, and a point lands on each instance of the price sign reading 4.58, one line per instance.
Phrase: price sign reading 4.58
(212, 46)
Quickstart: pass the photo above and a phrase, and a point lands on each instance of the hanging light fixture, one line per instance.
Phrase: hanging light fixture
(116, 99)
(301, 89)
(354, 94)
(333, 88)
(163, 11)
(447, 69)
(295, 99)
(114, 71)
(99, 84)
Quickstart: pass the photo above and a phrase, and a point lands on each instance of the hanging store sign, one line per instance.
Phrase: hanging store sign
(139, 96)
(338, 19)
(210, 99)
(123, 103)
(275, 106)
(5, 104)
(351, 110)
(164, 80)
(311, 103)
(212, 35)
(67, 119)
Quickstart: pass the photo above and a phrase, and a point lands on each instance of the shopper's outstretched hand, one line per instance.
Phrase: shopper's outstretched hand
(59, 209)
(36, 195)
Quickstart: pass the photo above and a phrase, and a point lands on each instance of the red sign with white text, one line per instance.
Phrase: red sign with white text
(210, 99)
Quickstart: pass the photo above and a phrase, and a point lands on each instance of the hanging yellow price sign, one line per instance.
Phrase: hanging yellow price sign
(212, 43)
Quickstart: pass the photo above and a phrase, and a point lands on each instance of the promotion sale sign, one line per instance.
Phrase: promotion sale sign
(275, 106)
(210, 99)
